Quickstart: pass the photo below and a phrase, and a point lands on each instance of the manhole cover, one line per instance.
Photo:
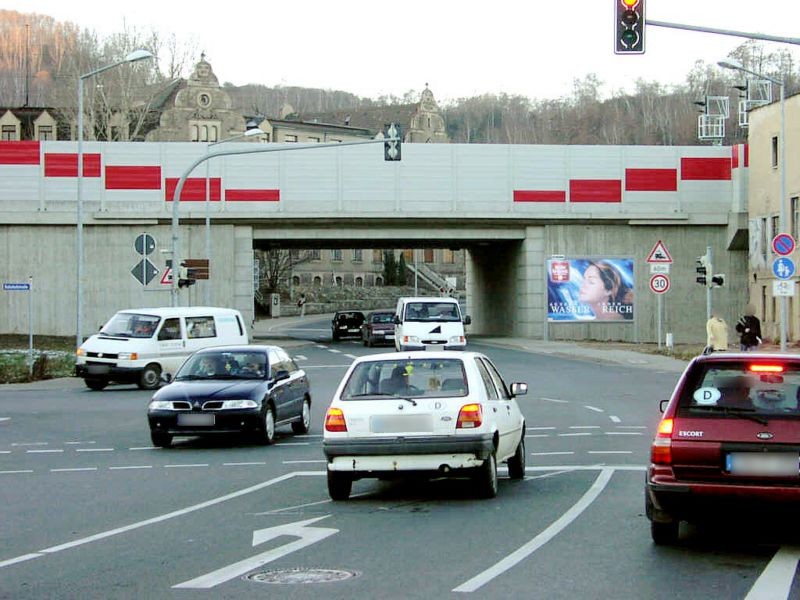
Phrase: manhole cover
(292, 576)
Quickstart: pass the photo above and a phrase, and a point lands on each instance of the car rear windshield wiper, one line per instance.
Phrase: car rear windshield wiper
(744, 413)
(414, 402)
(369, 394)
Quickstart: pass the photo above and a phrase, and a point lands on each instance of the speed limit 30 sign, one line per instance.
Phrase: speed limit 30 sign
(659, 283)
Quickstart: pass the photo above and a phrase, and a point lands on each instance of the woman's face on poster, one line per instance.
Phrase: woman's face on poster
(592, 289)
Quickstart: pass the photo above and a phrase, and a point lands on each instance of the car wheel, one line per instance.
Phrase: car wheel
(664, 534)
(162, 440)
(339, 485)
(516, 464)
(96, 384)
(268, 435)
(486, 478)
(334, 338)
(150, 377)
(303, 425)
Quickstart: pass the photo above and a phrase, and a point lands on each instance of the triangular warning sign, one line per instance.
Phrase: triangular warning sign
(166, 278)
(659, 254)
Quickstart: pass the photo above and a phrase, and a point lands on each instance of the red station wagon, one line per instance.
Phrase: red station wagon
(729, 439)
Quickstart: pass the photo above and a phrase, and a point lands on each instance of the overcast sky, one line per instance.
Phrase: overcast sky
(534, 48)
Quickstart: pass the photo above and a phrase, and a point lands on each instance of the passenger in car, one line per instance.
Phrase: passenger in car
(396, 383)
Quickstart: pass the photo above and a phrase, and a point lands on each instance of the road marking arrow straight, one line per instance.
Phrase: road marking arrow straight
(300, 529)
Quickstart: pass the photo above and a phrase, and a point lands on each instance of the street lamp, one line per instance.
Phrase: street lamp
(248, 133)
(134, 56)
(737, 66)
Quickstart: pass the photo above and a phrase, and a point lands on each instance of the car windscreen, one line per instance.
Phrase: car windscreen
(131, 325)
(407, 378)
(760, 387)
(383, 318)
(241, 364)
(432, 311)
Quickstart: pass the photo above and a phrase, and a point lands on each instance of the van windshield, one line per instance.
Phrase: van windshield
(432, 311)
(131, 325)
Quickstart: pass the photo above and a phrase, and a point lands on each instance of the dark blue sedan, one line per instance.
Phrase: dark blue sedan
(248, 390)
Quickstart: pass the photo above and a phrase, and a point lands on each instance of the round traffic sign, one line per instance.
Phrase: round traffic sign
(659, 283)
(783, 268)
(783, 244)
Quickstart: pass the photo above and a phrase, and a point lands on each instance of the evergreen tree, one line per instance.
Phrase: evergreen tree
(401, 270)
(389, 268)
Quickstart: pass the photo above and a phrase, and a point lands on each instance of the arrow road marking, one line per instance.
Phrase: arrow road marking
(307, 535)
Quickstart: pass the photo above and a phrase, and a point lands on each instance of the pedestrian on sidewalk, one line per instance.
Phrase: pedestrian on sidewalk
(301, 303)
(716, 334)
(749, 330)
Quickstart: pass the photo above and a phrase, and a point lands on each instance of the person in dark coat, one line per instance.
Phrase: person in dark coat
(749, 330)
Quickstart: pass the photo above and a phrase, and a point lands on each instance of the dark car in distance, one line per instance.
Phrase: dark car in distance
(378, 328)
(346, 323)
(247, 390)
(727, 445)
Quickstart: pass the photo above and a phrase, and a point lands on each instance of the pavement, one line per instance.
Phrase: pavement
(274, 331)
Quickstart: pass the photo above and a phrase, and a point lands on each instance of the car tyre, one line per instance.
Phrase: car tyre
(268, 434)
(664, 534)
(162, 440)
(486, 478)
(150, 377)
(334, 337)
(304, 424)
(516, 464)
(96, 384)
(339, 485)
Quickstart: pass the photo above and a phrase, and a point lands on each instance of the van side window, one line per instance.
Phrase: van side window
(239, 323)
(200, 327)
(171, 330)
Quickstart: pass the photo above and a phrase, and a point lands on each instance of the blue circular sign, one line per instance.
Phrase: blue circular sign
(783, 267)
(783, 244)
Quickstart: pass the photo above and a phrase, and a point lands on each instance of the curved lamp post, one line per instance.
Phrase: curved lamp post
(784, 224)
(134, 56)
(248, 133)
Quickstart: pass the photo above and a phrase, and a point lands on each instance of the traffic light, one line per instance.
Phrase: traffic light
(185, 278)
(703, 268)
(391, 147)
(629, 26)
(718, 280)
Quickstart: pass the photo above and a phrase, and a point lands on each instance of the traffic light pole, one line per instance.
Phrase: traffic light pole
(744, 34)
(709, 307)
(176, 260)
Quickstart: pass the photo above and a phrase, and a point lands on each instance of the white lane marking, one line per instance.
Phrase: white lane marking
(29, 444)
(631, 426)
(243, 464)
(574, 434)
(540, 540)
(5, 451)
(20, 471)
(549, 453)
(584, 426)
(322, 347)
(334, 350)
(615, 419)
(187, 466)
(353, 356)
(51, 451)
(303, 462)
(538, 435)
(594, 408)
(555, 400)
(5, 418)
(610, 452)
(301, 357)
(130, 467)
(94, 450)
(623, 432)
(776, 580)
(73, 469)
(538, 428)
(77, 443)
(178, 513)
(145, 448)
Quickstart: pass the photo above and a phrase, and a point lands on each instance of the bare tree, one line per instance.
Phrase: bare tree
(276, 265)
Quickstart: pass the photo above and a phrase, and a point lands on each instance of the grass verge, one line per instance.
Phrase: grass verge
(52, 357)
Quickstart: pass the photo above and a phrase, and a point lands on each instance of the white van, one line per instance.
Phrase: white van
(429, 323)
(139, 345)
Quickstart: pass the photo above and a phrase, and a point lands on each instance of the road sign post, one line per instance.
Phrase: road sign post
(25, 287)
(659, 285)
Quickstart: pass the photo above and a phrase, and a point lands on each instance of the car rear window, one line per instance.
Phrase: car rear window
(769, 387)
(383, 318)
(406, 378)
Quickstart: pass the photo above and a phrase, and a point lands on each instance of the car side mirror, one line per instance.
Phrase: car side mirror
(467, 320)
(396, 320)
(662, 405)
(518, 388)
(166, 377)
(281, 375)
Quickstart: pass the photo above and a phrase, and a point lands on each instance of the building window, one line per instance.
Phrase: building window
(46, 133)
(290, 138)
(295, 280)
(427, 255)
(774, 151)
(408, 256)
(358, 255)
(194, 135)
(448, 256)
(336, 255)
(359, 282)
(795, 215)
(213, 134)
(317, 281)
(377, 257)
(316, 254)
(775, 228)
(339, 281)
(314, 139)
(379, 280)
(9, 133)
(333, 140)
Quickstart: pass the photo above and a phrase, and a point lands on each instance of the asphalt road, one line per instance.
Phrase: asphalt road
(91, 510)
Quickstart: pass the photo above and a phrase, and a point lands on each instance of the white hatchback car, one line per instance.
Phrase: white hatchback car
(435, 413)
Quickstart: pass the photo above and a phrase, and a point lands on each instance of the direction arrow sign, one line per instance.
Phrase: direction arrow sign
(783, 244)
(307, 535)
(659, 254)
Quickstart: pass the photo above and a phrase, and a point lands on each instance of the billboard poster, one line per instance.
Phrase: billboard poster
(590, 289)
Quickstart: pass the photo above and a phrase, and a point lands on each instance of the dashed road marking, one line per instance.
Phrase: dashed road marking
(615, 419)
(18, 471)
(244, 464)
(130, 467)
(550, 453)
(538, 428)
(584, 426)
(623, 433)
(77, 443)
(573, 434)
(301, 357)
(49, 451)
(94, 450)
(594, 408)
(73, 469)
(303, 462)
(351, 356)
(188, 466)
(555, 400)
(334, 350)
(29, 444)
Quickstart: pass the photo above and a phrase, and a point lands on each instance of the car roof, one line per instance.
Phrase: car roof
(417, 354)
(177, 311)
(721, 357)
(239, 348)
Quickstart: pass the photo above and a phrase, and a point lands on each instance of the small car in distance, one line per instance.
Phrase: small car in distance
(378, 328)
(727, 443)
(446, 413)
(346, 324)
(248, 390)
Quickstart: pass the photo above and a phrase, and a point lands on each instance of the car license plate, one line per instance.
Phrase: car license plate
(197, 420)
(389, 336)
(776, 464)
(401, 423)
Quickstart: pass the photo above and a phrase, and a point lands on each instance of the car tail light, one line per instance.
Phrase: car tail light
(766, 368)
(470, 416)
(334, 420)
(661, 450)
